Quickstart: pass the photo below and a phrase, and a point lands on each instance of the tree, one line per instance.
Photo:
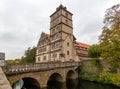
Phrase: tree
(94, 51)
(12, 61)
(110, 37)
(29, 55)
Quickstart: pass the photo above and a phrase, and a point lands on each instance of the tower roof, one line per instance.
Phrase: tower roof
(61, 7)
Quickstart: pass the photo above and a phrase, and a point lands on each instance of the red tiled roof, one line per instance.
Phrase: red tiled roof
(82, 45)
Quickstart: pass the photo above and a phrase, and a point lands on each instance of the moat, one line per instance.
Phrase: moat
(73, 84)
(80, 84)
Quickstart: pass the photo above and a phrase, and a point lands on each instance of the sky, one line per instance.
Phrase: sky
(22, 21)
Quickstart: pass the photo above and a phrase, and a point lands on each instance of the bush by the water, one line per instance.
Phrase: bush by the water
(94, 71)
(109, 78)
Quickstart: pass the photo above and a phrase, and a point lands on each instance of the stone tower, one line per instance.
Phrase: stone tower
(61, 35)
(60, 45)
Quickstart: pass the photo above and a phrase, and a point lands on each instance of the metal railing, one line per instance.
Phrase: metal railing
(31, 67)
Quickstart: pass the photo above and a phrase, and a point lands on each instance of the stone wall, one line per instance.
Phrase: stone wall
(4, 83)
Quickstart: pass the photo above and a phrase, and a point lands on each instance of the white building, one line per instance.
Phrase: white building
(2, 58)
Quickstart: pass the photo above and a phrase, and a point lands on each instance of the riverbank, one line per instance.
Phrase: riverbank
(94, 71)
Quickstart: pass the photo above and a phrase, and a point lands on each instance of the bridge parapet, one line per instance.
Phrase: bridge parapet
(31, 67)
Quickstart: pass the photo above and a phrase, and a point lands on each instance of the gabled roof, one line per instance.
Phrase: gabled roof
(48, 35)
(74, 38)
(45, 35)
(82, 45)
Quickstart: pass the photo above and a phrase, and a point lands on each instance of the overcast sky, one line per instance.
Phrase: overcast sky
(22, 21)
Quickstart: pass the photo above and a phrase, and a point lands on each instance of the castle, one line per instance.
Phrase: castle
(60, 45)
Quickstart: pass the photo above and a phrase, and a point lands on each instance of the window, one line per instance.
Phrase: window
(53, 24)
(53, 30)
(58, 21)
(53, 37)
(59, 35)
(57, 28)
(68, 44)
(44, 58)
(44, 49)
(54, 55)
(56, 35)
(38, 58)
(57, 45)
(58, 14)
(67, 52)
(66, 21)
(40, 50)
(52, 46)
(66, 14)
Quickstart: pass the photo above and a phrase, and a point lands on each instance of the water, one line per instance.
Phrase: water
(93, 85)
(18, 85)
(79, 84)
(70, 84)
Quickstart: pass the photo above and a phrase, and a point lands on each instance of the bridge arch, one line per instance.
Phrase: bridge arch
(55, 81)
(71, 74)
(27, 83)
(71, 79)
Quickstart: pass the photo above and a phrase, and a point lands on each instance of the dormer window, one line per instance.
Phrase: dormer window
(66, 14)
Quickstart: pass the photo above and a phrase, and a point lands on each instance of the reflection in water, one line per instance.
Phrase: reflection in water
(70, 84)
(55, 81)
(26, 83)
(79, 84)
(53, 84)
(18, 85)
(83, 84)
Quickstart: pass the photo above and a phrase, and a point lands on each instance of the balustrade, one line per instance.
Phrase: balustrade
(29, 67)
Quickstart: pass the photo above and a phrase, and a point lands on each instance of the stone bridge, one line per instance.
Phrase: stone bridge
(39, 74)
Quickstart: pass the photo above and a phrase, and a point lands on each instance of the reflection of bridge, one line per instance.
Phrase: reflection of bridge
(41, 73)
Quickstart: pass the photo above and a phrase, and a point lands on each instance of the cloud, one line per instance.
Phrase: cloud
(22, 21)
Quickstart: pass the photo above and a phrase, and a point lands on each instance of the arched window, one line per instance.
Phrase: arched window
(68, 53)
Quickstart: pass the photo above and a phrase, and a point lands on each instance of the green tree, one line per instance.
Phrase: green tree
(94, 51)
(29, 55)
(110, 37)
(12, 61)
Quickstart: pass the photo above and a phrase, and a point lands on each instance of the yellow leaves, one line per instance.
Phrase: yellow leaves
(110, 37)
(116, 79)
(110, 78)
